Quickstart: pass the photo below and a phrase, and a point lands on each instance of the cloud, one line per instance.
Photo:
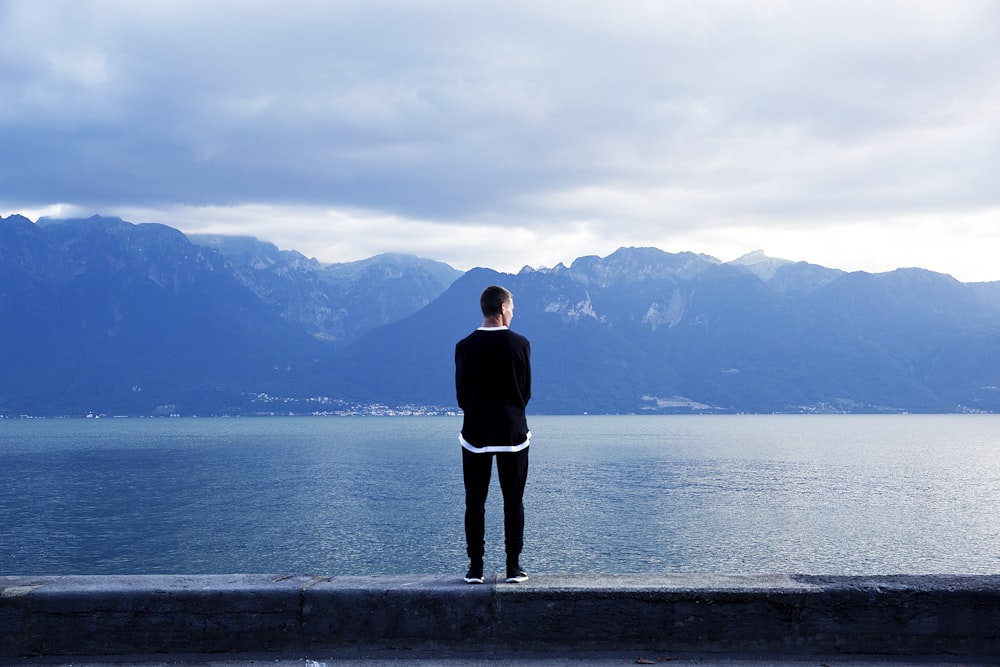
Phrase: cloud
(558, 124)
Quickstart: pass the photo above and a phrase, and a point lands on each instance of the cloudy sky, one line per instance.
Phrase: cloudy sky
(861, 135)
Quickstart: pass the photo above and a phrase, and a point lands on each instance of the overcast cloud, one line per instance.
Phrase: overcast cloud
(858, 135)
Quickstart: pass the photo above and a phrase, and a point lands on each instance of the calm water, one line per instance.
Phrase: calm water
(383, 495)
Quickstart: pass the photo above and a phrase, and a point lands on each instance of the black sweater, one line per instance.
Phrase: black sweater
(493, 386)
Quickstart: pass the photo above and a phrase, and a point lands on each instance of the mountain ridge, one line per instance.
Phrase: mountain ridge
(103, 316)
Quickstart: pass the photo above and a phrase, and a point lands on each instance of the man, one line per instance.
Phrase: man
(493, 384)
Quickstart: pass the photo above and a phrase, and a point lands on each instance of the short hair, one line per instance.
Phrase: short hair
(493, 298)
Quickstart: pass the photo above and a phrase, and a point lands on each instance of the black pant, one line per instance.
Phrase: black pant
(512, 470)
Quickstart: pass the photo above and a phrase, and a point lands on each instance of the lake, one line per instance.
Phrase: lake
(816, 494)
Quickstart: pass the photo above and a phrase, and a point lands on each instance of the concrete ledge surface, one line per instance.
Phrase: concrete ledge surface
(778, 614)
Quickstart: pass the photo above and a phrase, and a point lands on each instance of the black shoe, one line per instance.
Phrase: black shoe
(475, 574)
(515, 574)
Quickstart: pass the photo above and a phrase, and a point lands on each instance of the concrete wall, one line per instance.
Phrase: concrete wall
(801, 615)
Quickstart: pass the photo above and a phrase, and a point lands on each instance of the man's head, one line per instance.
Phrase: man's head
(497, 302)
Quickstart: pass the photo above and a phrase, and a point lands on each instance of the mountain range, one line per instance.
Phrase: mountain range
(102, 316)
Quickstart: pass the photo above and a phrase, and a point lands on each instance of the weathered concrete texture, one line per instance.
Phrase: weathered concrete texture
(903, 615)
(791, 615)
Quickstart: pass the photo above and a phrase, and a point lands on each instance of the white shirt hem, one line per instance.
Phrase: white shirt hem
(502, 449)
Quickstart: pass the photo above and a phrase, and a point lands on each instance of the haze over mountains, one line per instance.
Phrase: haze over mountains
(101, 316)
